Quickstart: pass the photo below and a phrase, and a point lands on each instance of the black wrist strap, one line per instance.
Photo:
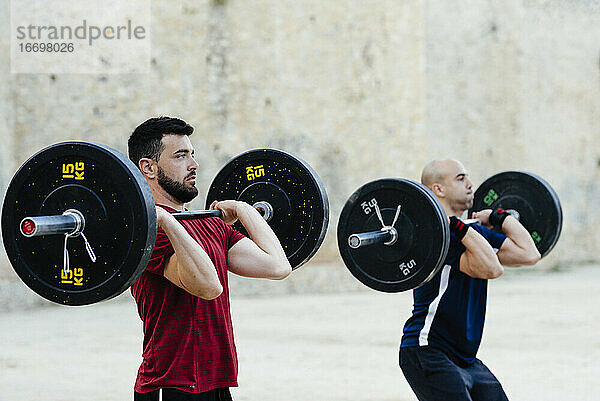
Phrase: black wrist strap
(458, 227)
(498, 216)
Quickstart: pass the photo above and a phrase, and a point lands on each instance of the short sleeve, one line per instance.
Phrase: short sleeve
(233, 236)
(162, 252)
(455, 251)
(493, 238)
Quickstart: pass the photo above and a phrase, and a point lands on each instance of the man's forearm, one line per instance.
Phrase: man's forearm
(521, 250)
(517, 233)
(195, 271)
(260, 232)
(482, 260)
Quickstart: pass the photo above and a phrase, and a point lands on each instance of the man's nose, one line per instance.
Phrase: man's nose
(193, 165)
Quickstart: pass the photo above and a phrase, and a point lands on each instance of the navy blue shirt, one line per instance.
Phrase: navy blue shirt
(449, 310)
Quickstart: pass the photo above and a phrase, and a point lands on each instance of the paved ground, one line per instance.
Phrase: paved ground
(541, 340)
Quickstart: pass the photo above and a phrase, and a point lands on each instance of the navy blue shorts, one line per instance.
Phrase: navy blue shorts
(433, 376)
(171, 394)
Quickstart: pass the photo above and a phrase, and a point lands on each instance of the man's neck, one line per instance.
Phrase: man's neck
(163, 198)
(450, 211)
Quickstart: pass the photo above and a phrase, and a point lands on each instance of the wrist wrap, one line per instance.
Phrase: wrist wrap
(458, 227)
(498, 216)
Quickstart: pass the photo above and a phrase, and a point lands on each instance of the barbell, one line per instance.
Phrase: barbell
(79, 219)
(393, 234)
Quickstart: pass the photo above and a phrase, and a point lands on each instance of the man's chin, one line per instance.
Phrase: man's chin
(187, 198)
(190, 193)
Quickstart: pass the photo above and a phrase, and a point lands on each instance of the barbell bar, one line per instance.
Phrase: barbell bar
(72, 221)
(388, 235)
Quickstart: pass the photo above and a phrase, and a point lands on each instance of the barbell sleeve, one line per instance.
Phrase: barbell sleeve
(71, 222)
(388, 236)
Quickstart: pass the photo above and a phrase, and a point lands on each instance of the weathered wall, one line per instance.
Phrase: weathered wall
(359, 89)
(517, 86)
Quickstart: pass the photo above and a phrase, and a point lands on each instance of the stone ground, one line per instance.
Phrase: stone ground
(541, 341)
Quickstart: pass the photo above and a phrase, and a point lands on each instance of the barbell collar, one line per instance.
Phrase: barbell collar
(265, 209)
(514, 214)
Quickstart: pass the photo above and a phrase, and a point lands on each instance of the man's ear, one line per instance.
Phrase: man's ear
(438, 190)
(148, 167)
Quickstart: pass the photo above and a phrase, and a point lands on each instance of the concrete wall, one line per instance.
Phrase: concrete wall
(517, 86)
(359, 89)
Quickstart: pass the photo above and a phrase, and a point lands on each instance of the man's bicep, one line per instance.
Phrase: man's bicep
(465, 265)
(171, 271)
(509, 254)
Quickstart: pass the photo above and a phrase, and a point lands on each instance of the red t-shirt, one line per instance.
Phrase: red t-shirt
(188, 341)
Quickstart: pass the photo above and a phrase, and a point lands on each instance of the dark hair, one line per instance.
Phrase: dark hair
(146, 139)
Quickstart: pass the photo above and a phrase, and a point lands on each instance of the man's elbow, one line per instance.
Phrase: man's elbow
(209, 292)
(281, 270)
(282, 273)
(495, 272)
(532, 257)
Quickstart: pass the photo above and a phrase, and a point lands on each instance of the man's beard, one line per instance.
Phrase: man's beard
(177, 190)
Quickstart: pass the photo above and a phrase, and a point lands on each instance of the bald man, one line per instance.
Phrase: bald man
(441, 338)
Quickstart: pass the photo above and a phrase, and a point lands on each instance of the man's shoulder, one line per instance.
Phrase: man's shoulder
(213, 225)
(455, 250)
